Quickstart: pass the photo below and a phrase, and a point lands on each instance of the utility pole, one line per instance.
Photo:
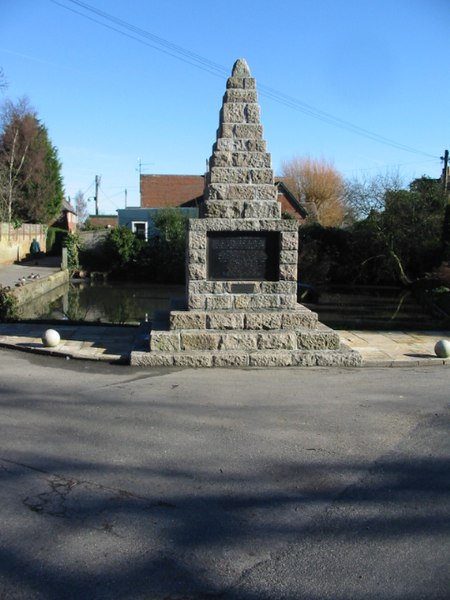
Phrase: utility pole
(126, 197)
(97, 183)
(445, 172)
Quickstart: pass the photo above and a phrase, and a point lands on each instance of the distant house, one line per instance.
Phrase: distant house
(186, 191)
(141, 221)
(289, 202)
(102, 221)
(68, 218)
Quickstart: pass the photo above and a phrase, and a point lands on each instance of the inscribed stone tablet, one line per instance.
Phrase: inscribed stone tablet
(243, 256)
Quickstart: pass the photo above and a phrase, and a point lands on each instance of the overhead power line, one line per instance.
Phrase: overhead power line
(159, 43)
(196, 60)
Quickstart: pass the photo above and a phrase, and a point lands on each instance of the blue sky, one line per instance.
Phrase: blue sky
(144, 89)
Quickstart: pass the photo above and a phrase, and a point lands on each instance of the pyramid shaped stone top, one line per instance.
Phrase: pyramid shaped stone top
(240, 182)
(240, 68)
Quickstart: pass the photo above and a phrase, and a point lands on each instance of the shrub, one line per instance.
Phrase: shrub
(122, 247)
(55, 240)
(8, 306)
(72, 243)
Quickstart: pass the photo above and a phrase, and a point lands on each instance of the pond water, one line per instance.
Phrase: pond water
(106, 302)
(131, 303)
(374, 308)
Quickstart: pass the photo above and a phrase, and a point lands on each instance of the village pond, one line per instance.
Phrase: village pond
(102, 302)
(369, 308)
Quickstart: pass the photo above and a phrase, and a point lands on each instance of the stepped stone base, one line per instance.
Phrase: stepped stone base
(243, 339)
(343, 357)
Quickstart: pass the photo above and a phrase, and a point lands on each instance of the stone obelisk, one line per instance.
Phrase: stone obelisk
(241, 267)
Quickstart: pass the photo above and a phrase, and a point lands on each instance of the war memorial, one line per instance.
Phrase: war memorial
(241, 304)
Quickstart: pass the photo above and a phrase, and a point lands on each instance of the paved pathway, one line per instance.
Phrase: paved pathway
(11, 275)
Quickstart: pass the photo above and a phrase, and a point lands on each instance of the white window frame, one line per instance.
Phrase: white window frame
(145, 223)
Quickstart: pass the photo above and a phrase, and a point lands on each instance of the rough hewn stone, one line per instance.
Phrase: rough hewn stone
(277, 341)
(318, 340)
(203, 340)
(278, 287)
(242, 302)
(266, 192)
(196, 302)
(237, 95)
(193, 359)
(164, 341)
(151, 359)
(242, 159)
(299, 319)
(196, 240)
(288, 301)
(261, 208)
(197, 256)
(289, 241)
(224, 209)
(288, 272)
(224, 302)
(230, 175)
(196, 271)
(223, 320)
(231, 359)
(239, 341)
(238, 145)
(265, 320)
(265, 301)
(188, 319)
(233, 113)
(271, 359)
(289, 257)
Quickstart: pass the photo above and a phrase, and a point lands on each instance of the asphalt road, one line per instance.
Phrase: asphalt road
(121, 483)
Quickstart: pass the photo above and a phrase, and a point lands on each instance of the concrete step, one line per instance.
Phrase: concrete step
(343, 357)
(188, 340)
(298, 318)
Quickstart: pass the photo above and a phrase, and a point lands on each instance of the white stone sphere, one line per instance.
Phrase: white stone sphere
(442, 349)
(50, 338)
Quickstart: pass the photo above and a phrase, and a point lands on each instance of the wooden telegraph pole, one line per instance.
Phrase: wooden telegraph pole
(97, 183)
(445, 173)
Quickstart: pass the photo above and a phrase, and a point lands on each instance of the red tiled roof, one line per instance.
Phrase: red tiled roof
(159, 191)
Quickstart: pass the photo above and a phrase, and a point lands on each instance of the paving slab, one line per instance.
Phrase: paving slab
(27, 271)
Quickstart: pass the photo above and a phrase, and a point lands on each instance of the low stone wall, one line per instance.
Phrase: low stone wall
(34, 289)
(15, 243)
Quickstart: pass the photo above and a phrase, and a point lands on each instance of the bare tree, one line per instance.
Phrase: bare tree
(81, 207)
(10, 111)
(32, 189)
(14, 149)
(3, 81)
(11, 173)
(317, 182)
(366, 194)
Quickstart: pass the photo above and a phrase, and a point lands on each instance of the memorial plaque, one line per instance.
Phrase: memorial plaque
(243, 288)
(243, 256)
